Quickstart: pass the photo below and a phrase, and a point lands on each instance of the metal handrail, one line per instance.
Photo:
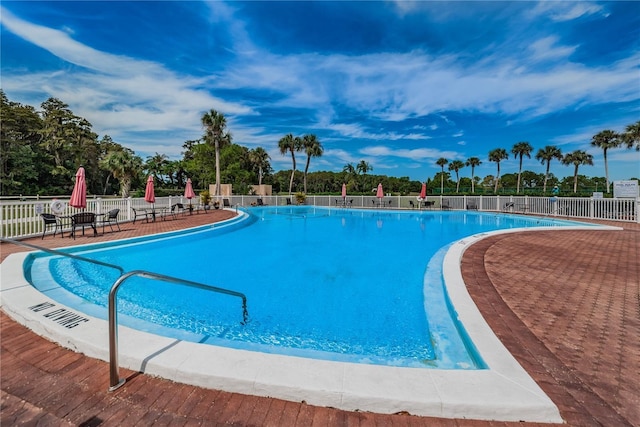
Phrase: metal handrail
(115, 381)
(114, 377)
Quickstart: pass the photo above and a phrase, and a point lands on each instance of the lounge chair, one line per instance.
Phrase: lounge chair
(51, 220)
(508, 207)
(428, 204)
(83, 219)
(110, 218)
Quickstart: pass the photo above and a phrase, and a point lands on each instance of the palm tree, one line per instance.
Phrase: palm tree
(215, 124)
(631, 135)
(605, 140)
(123, 165)
(545, 155)
(260, 159)
(576, 159)
(156, 165)
(363, 167)
(497, 155)
(456, 165)
(519, 150)
(441, 162)
(313, 148)
(473, 162)
(291, 144)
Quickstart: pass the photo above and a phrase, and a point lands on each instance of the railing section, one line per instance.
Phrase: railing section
(22, 218)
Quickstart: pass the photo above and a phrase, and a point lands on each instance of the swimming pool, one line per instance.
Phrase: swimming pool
(338, 284)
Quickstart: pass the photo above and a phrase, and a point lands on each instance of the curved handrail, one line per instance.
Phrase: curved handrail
(115, 381)
(114, 377)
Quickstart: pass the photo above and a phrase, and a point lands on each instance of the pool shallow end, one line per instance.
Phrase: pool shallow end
(502, 392)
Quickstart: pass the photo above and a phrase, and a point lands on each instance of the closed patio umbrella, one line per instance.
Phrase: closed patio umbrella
(149, 194)
(423, 192)
(79, 195)
(379, 194)
(189, 193)
(344, 193)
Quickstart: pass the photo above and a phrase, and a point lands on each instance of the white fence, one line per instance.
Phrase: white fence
(22, 218)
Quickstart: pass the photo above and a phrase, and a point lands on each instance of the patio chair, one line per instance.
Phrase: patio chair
(472, 205)
(110, 218)
(508, 207)
(83, 219)
(140, 213)
(445, 205)
(260, 202)
(226, 203)
(178, 208)
(51, 220)
(289, 200)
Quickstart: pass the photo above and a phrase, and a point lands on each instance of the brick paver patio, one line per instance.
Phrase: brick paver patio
(565, 303)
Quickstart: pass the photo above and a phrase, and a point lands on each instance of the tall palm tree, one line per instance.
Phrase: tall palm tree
(456, 165)
(473, 162)
(363, 167)
(215, 126)
(519, 150)
(631, 135)
(497, 155)
(260, 159)
(605, 140)
(291, 144)
(577, 158)
(441, 162)
(313, 148)
(545, 155)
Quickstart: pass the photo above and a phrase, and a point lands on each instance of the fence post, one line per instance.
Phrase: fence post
(129, 208)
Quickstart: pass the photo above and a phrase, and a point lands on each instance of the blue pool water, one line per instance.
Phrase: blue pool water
(338, 284)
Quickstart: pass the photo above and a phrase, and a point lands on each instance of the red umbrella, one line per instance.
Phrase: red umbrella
(79, 195)
(423, 192)
(149, 195)
(380, 193)
(188, 192)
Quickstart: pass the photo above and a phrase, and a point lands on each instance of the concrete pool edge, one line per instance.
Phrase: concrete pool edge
(497, 393)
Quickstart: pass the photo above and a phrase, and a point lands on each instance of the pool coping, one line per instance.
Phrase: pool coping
(503, 392)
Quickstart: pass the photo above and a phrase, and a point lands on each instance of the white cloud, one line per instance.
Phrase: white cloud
(567, 11)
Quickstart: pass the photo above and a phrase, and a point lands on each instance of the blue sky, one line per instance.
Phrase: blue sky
(397, 84)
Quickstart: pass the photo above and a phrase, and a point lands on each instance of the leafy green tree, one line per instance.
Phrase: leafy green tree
(216, 134)
(290, 144)
(20, 153)
(473, 162)
(497, 155)
(631, 135)
(520, 150)
(605, 140)
(456, 165)
(313, 148)
(442, 162)
(577, 158)
(546, 155)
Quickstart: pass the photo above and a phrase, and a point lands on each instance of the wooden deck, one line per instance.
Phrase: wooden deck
(565, 303)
